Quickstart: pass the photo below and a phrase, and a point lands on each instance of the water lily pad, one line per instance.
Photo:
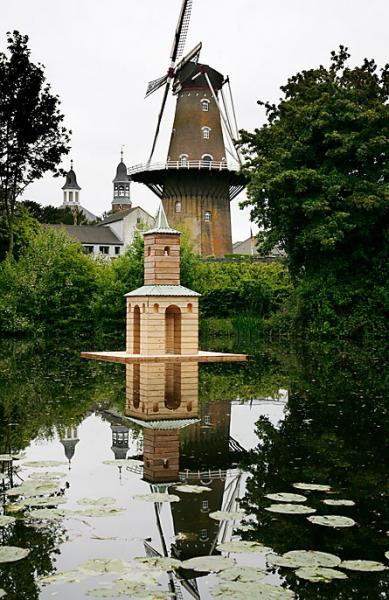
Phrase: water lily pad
(12, 553)
(251, 591)
(223, 515)
(312, 487)
(387, 555)
(43, 464)
(363, 565)
(100, 566)
(152, 595)
(331, 521)
(124, 462)
(284, 497)
(47, 475)
(157, 497)
(280, 561)
(47, 514)
(291, 509)
(61, 577)
(2, 593)
(98, 511)
(339, 502)
(160, 562)
(145, 577)
(319, 574)
(245, 527)
(312, 558)
(192, 489)
(4, 520)
(242, 574)
(33, 488)
(13, 508)
(6, 458)
(42, 501)
(105, 501)
(242, 546)
(208, 564)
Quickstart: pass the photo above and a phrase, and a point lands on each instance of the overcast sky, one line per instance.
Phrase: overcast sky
(99, 56)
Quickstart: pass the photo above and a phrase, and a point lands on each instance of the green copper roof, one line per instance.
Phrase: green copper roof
(161, 223)
(162, 290)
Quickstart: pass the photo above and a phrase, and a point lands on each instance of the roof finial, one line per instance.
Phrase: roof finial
(121, 152)
(71, 164)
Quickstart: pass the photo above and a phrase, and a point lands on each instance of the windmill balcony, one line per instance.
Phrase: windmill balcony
(209, 165)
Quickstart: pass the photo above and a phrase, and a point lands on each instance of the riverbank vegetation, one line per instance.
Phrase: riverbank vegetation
(53, 288)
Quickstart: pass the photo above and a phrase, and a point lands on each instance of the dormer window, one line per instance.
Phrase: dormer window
(205, 105)
(206, 132)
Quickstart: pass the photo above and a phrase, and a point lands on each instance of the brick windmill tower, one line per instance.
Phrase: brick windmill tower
(199, 179)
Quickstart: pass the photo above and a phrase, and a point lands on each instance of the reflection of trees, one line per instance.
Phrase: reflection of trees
(18, 578)
(43, 388)
(335, 432)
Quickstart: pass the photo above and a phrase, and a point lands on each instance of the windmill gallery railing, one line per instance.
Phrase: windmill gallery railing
(209, 165)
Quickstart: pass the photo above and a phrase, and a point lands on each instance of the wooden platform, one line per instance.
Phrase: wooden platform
(203, 357)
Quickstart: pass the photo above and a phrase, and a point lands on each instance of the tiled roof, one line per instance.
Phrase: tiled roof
(90, 234)
(162, 290)
(117, 216)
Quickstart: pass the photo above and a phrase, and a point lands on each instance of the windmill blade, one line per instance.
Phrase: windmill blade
(181, 31)
(154, 85)
(193, 55)
(159, 120)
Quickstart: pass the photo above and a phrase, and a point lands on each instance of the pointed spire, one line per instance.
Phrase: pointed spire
(121, 152)
(161, 224)
(161, 219)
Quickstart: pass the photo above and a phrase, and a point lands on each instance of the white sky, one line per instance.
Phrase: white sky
(100, 55)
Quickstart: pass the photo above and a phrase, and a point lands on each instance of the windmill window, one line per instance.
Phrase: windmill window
(207, 158)
(207, 420)
(184, 159)
(207, 216)
(204, 505)
(204, 535)
(206, 132)
(178, 206)
(205, 105)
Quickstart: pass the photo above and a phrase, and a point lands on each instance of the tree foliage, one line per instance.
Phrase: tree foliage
(318, 169)
(32, 137)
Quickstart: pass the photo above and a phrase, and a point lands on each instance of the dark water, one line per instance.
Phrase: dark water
(316, 414)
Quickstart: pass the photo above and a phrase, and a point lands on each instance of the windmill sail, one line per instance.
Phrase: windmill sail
(154, 85)
(181, 31)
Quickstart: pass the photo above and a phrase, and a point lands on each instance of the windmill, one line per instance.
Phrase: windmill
(197, 182)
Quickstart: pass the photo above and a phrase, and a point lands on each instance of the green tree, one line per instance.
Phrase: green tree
(32, 137)
(318, 186)
(318, 169)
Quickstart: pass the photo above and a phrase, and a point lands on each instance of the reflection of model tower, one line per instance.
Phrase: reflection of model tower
(69, 440)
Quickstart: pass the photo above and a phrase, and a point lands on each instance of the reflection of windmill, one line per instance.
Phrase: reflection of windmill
(196, 184)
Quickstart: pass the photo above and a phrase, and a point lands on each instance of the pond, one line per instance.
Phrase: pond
(187, 481)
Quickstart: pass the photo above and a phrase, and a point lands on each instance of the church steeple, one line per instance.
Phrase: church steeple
(71, 189)
(121, 187)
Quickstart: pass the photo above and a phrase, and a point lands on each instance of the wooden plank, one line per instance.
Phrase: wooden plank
(125, 358)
